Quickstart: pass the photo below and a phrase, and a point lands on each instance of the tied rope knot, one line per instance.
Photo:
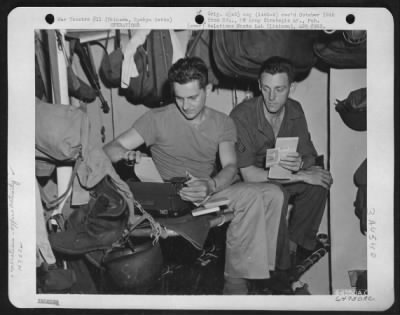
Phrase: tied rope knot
(156, 229)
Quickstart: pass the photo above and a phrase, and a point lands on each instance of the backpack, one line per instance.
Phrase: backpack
(61, 136)
(353, 109)
(153, 60)
(199, 45)
(61, 131)
(343, 50)
(239, 54)
(110, 68)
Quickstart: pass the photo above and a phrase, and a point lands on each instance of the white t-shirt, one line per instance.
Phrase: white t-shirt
(177, 146)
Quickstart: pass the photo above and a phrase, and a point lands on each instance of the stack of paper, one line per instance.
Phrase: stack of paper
(211, 206)
(147, 171)
(282, 147)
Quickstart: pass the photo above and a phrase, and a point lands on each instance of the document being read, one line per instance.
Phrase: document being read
(283, 146)
(147, 171)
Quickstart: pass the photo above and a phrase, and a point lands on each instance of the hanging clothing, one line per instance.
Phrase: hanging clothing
(44, 253)
(129, 69)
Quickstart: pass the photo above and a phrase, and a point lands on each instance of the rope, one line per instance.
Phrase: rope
(155, 226)
(50, 204)
(157, 229)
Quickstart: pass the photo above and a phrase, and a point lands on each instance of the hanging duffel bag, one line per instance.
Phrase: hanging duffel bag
(153, 60)
(110, 67)
(239, 54)
(343, 50)
(61, 131)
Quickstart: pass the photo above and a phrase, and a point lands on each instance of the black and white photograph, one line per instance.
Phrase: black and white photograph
(201, 157)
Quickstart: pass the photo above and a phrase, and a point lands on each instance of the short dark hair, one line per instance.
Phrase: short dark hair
(189, 69)
(277, 64)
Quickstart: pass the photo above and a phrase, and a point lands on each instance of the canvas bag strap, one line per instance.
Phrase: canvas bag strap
(50, 204)
(85, 128)
(117, 41)
(107, 39)
(194, 43)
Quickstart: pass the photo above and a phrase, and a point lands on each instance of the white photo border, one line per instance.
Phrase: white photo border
(378, 22)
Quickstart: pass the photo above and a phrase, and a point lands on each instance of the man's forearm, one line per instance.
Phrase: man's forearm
(115, 151)
(254, 174)
(225, 177)
(257, 174)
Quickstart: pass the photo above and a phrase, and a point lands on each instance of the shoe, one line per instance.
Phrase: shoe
(280, 282)
(301, 288)
(302, 253)
(259, 287)
(78, 243)
(235, 286)
(95, 226)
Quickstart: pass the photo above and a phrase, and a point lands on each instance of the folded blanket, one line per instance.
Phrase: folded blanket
(193, 229)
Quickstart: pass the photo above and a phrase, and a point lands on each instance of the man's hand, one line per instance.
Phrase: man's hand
(316, 175)
(132, 157)
(196, 189)
(291, 161)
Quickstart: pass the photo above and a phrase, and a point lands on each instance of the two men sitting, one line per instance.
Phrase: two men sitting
(189, 136)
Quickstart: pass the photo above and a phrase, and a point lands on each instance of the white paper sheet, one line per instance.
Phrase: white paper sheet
(147, 171)
(284, 145)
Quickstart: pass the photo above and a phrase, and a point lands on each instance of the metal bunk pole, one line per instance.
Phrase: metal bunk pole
(60, 95)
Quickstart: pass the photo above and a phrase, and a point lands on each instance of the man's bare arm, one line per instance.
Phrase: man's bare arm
(120, 148)
(228, 173)
(257, 174)
(314, 176)
(254, 174)
(197, 189)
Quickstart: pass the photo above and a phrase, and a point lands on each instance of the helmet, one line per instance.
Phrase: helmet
(353, 110)
(134, 268)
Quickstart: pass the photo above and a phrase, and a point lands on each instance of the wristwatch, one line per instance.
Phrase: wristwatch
(301, 164)
(214, 189)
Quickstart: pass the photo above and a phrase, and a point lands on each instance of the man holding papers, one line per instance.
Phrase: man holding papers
(273, 118)
(187, 137)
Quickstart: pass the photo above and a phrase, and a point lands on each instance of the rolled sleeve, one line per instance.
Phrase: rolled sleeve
(306, 147)
(229, 132)
(246, 155)
(146, 127)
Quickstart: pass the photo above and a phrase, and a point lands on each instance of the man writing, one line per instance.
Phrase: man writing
(259, 122)
(187, 137)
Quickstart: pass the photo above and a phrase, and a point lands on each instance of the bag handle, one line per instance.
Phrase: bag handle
(194, 43)
(117, 41)
(107, 38)
(53, 203)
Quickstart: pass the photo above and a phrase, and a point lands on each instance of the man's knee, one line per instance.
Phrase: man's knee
(249, 193)
(308, 191)
(317, 191)
(316, 188)
(246, 197)
(273, 193)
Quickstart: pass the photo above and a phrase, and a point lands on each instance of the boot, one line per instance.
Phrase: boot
(95, 226)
